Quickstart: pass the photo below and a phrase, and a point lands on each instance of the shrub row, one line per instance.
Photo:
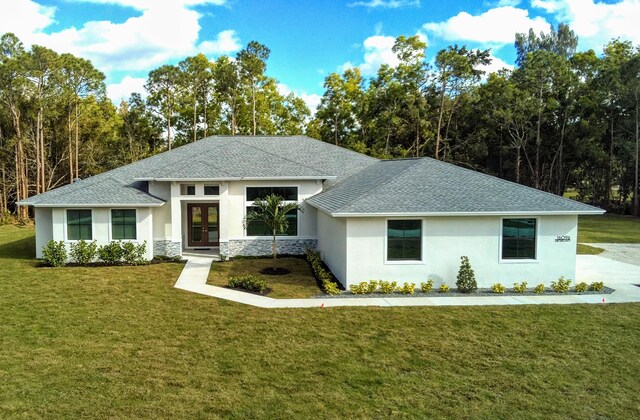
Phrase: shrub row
(388, 287)
(562, 285)
(54, 253)
(249, 282)
(324, 276)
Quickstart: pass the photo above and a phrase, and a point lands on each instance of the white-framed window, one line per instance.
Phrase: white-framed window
(79, 225)
(404, 240)
(211, 190)
(519, 239)
(288, 193)
(124, 224)
(187, 189)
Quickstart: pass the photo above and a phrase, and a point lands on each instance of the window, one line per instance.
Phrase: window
(519, 239)
(187, 189)
(79, 225)
(404, 240)
(260, 229)
(123, 224)
(211, 190)
(287, 193)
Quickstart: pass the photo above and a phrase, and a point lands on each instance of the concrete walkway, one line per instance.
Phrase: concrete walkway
(617, 275)
(628, 253)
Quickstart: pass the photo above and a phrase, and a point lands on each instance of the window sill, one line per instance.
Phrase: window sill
(404, 262)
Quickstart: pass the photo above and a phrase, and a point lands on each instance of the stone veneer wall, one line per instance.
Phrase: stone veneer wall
(257, 247)
(167, 248)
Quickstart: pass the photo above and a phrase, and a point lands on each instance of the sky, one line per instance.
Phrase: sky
(308, 39)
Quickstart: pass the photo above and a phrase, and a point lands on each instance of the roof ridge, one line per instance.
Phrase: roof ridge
(380, 185)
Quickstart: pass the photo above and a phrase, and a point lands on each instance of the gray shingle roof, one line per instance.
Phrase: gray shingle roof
(217, 157)
(428, 186)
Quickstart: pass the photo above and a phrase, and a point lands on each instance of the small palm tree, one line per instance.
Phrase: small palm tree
(272, 211)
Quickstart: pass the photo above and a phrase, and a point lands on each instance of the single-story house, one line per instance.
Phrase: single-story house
(405, 219)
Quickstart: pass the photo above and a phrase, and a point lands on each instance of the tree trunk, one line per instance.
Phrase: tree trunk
(70, 146)
(43, 161)
(253, 97)
(195, 109)
(441, 114)
(518, 163)
(169, 131)
(275, 245)
(609, 174)
(636, 200)
(36, 144)
(77, 142)
(536, 172)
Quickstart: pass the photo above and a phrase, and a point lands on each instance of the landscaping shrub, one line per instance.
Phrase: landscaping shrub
(520, 287)
(324, 276)
(110, 253)
(443, 288)
(561, 285)
(83, 252)
(360, 288)
(498, 288)
(581, 287)
(372, 286)
(134, 254)
(407, 288)
(54, 254)
(466, 277)
(597, 286)
(539, 288)
(223, 258)
(427, 287)
(388, 287)
(249, 282)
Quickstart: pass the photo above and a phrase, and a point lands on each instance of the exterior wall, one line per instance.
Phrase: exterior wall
(445, 239)
(332, 243)
(259, 247)
(44, 228)
(101, 227)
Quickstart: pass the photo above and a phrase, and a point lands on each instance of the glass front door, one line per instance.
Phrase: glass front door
(203, 224)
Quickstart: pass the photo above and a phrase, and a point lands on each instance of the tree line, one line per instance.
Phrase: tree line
(559, 120)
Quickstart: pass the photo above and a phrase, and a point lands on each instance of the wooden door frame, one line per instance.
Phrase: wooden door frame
(204, 207)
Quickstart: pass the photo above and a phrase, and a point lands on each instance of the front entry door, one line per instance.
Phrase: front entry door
(203, 224)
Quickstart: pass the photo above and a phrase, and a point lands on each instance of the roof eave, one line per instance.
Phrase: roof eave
(85, 205)
(253, 178)
(471, 213)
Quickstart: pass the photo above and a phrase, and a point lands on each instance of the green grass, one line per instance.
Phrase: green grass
(584, 249)
(299, 283)
(122, 342)
(608, 228)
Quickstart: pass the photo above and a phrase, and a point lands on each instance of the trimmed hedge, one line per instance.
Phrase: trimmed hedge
(322, 274)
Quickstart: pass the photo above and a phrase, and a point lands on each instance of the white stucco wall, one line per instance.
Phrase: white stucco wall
(161, 215)
(236, 207)
(332, 243)
(44, 228)
(101, 227)
(445, 239)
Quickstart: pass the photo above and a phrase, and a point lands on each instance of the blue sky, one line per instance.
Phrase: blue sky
(308, 39)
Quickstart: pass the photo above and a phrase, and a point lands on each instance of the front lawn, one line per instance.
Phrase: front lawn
(123, 342)
(299, 283)
(608, 228)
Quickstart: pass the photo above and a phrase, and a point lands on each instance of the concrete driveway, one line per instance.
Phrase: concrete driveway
(628, 253)
(618, 275)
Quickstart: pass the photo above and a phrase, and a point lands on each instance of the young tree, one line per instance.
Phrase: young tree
(253, 63)
(163, 86)
(272, 212)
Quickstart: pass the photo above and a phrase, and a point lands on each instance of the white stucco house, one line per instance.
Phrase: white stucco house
(404, 220)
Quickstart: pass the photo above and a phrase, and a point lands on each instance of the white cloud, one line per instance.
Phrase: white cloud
(118, 92)
(496, 64)
(596, 23)
(164, 30)
(24, 18)
(226, 42)
(386, 4)
(377, 51)
(311, 99)
(496, 26)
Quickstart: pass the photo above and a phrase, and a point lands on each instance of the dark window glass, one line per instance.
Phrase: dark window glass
(191, 190)
(79, 225)
(123, 224)
(404, 240)
(519, 239)
(260, 229)
(287, 193)
(211, 190)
